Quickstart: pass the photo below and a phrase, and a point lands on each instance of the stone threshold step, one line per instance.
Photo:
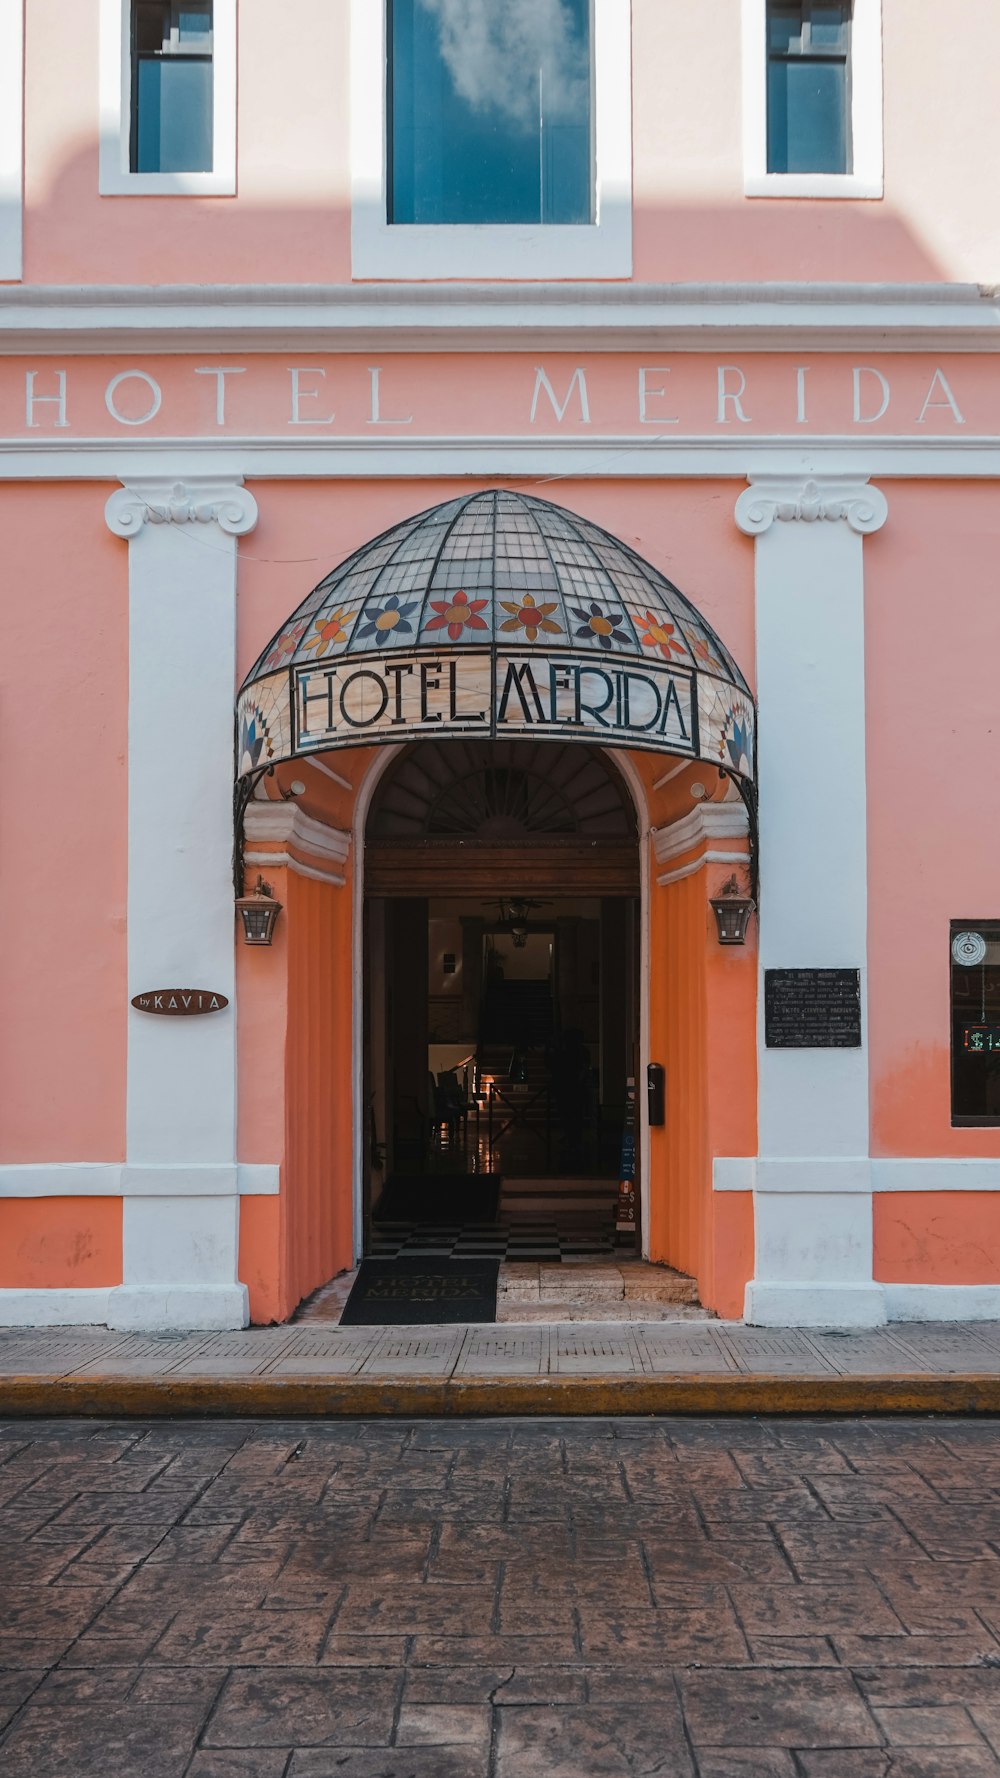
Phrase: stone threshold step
(535, 1314)
(606, 1282)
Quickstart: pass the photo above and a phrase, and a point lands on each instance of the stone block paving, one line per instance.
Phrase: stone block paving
(627, 1347)
(500, 1599)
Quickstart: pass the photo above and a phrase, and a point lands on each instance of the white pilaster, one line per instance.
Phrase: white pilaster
(813, 1204)
(180, 1248)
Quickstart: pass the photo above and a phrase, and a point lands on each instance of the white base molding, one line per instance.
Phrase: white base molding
(113, 1179)
(741, 1173)
(942, 1302)
(815, 1305)
(54, 1308)
(137, 1308)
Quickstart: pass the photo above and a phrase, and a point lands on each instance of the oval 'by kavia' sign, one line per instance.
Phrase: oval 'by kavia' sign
(179, 1003)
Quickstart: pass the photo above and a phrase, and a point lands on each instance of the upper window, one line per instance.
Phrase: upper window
(168, 97)
(171, 86)
(489, 112)
(11, 138)
(812, 98)
(502, 145)
(808, 87)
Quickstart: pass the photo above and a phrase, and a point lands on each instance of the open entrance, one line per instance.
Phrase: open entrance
(501, 1001)
(461, 930)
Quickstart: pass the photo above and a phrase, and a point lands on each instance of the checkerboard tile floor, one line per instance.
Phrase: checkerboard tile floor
(511, 1238)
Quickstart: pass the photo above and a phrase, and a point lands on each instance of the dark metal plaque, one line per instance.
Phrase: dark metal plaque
(179, 1003)
(812, 1009)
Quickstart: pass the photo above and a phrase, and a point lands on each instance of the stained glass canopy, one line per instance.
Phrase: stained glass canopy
(496, 615)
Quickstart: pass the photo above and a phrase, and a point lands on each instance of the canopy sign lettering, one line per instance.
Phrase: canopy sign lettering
(501, 695)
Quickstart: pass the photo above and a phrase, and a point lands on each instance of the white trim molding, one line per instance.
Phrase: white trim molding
(813, 1196)
(203, 500)
(467, 317)
(77, 1307)
(11, 138)
(945, 1173)
(114, 1179)
(792, 499)
(602, 249)
(285, 824)
(180, 1251)
(115, 86)
(713, 856)
(349, 458)
(948, 1173)
(865, 73)
(705, 822)
(943, 1302)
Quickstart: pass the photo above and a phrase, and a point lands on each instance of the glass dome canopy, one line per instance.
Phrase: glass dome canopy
(492, 615)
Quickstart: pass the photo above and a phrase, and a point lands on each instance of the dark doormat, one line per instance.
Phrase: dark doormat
(439, 1197)
(401, 1292)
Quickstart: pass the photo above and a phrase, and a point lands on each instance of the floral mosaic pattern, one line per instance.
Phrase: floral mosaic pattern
(498, 571)
(328, 632)
(529, 619)
(658, 634)
(599, 624)
(703, 656)
(457, 614)
(285, 644)
(390, 620)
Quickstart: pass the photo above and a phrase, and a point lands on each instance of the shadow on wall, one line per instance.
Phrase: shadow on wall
(73, 235)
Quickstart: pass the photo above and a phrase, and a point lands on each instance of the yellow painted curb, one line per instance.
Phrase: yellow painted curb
(365, 1398)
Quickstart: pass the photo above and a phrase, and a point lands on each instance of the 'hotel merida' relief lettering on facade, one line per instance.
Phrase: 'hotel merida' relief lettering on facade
(473, 695)
(274, 400)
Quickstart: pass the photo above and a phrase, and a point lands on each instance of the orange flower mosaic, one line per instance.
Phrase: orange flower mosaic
(702, 653)
(285, 644)
(657, 634)
(529, 617)
(329, 632)
(457, 614)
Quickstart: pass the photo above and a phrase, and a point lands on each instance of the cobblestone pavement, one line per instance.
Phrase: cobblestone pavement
(500, 1599)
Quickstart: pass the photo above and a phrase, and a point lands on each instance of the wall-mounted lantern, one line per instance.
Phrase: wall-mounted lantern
(732, 913)
(259, 912)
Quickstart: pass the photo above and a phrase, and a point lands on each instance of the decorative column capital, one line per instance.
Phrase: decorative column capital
(805, 499)
(198, 500)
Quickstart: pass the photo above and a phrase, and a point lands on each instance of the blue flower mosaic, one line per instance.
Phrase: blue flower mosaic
(598, 624)
(383, 622)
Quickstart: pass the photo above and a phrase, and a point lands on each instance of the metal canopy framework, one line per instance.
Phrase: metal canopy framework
(496, 616)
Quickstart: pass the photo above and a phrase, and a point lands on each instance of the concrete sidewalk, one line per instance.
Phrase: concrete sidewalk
(565, 1368)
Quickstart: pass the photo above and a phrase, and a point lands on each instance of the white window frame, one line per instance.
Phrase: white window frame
(866, 181)
(116, 180)
(11, 139)
(415, 251)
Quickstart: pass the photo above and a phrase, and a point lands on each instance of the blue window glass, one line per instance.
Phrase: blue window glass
(490, 111)
(808, 87)
(171, 86)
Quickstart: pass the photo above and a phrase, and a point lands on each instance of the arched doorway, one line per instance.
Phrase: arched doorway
(502, 996)
(473, 689)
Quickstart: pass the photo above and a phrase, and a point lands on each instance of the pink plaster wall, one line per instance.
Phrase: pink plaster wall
(63, 715)
(290, 221)
(933, 644)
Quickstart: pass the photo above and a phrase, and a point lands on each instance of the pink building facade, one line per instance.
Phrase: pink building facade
(735, 327)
